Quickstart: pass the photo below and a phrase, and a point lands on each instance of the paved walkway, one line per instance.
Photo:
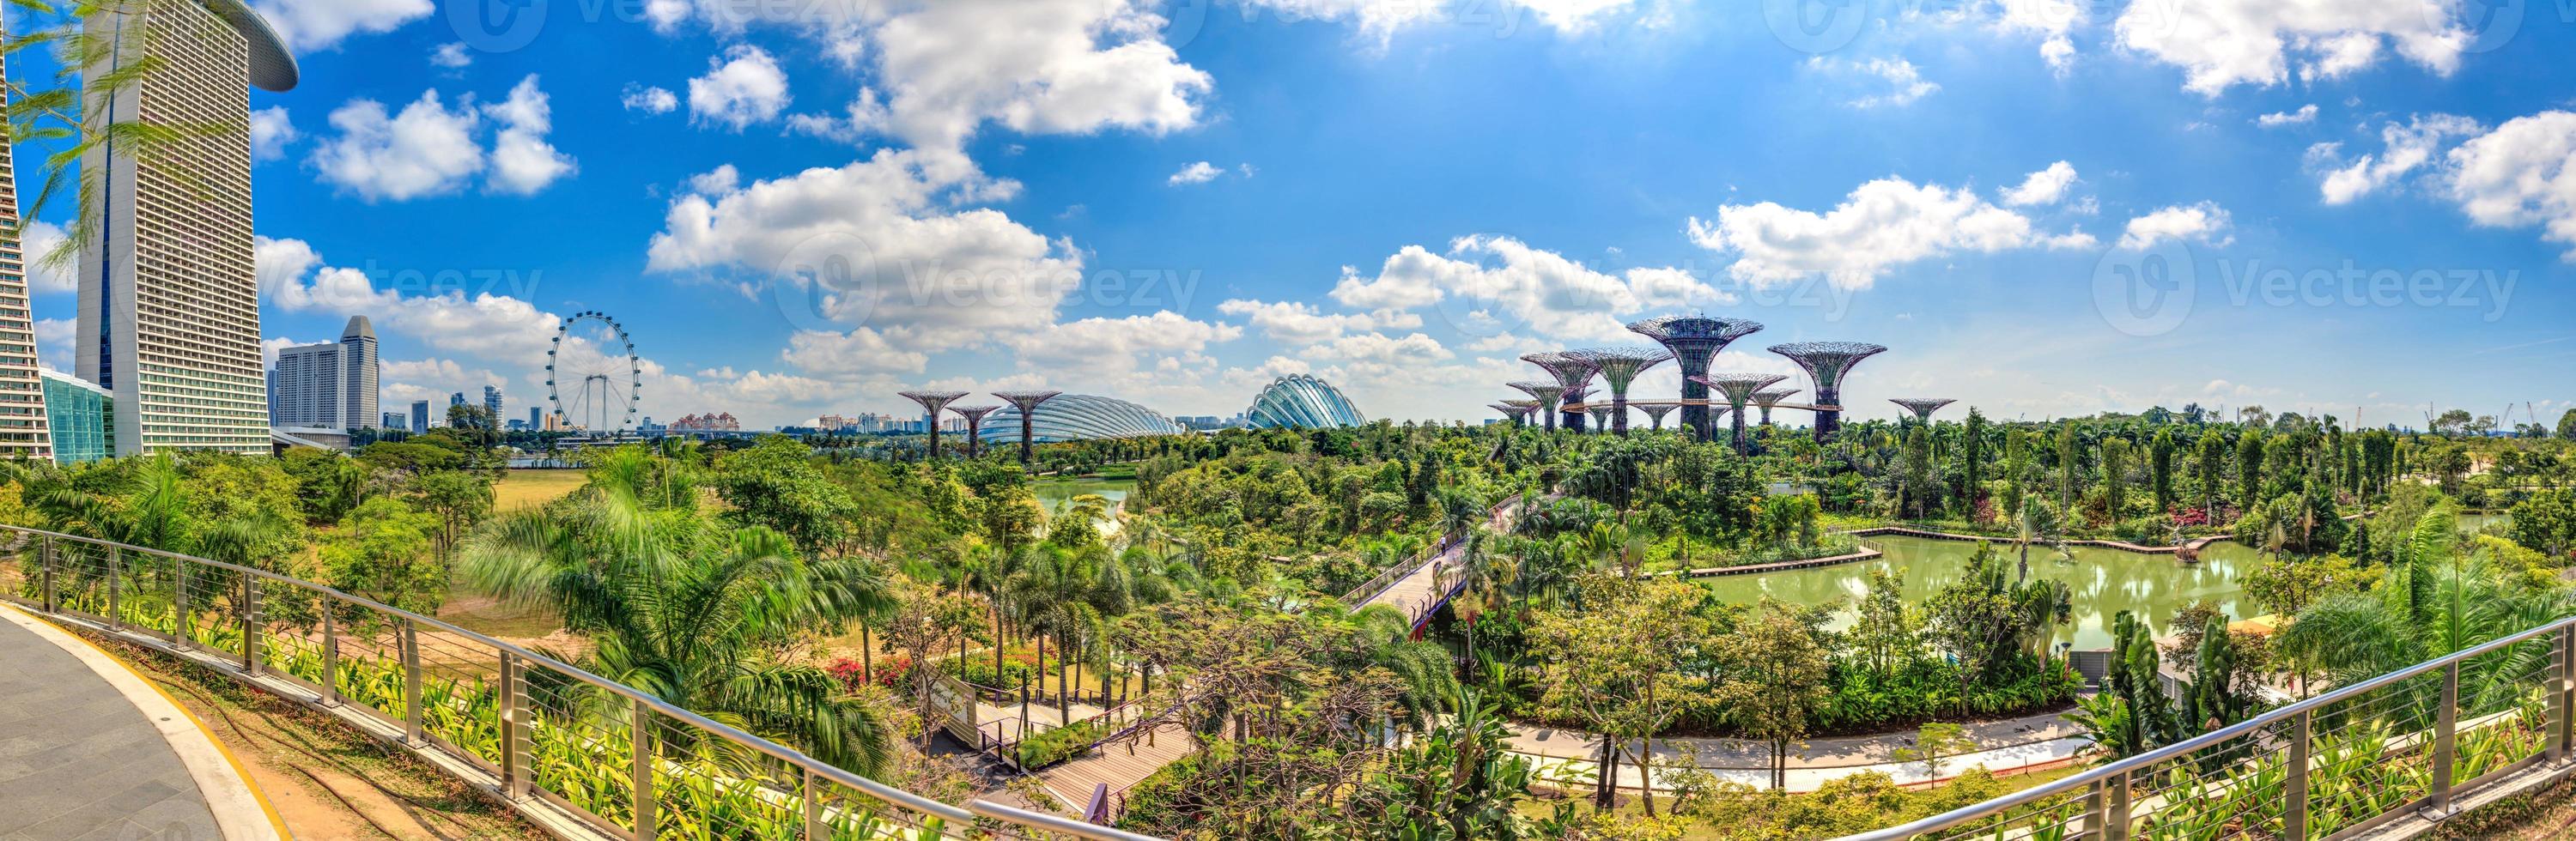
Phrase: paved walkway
(89, 750)
(2003, 745)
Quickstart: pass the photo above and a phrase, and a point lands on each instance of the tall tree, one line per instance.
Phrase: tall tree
(2160, 456)
(1972, 460)
(1777, 668)
(2249, 470)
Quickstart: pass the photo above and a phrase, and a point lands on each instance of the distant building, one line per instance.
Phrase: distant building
(456, 398)
(358, 356)
(536, 419)
(492, 402)
(309, 387)
(79, 417)
(720, 422)
(394, 420)
(420, 416)
(23, 429)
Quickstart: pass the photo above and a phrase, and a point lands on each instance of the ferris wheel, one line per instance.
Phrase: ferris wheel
(598, 385)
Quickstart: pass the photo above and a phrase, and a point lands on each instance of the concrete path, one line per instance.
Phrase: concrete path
(2003, 745)
(90, 750)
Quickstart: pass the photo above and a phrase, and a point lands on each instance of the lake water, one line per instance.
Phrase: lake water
(1056, 495)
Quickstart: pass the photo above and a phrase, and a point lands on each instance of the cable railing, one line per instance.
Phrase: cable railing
(545, 737)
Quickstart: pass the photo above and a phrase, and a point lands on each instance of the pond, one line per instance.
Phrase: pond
(1055, 495)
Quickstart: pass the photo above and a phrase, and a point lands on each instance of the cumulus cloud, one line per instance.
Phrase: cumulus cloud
(2408, 146)
(854, 353)
(451, 55)
(2203, 222)
(1198, 172)
(1115, 345)
(2521, 174)
(2043, 187)
(432, 149)
(270, 133)
(1380, 19)
(2051, 20)
(890, 241)
(1892, 81)
(2223, 43)
(1299, 323)
(1881, 225)
(50, 268)
(648, 99)
(2305, 115)
(1487, 285)
(744, 87)
(54, 343)
(308, 25)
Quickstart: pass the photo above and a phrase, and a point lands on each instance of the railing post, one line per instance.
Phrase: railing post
(2446, 722)
(2294, 820)
(179, 605)
(115, 587)
(45, 560)
(514, 773)
(330, 654)
(2562, 714)
(250, 624)
(647, 820)
(2117, 827)
(813, 797)
(411, 683)
(2097, 812)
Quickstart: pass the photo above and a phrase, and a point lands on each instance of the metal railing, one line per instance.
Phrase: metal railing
(546, 737)
(2412, 742)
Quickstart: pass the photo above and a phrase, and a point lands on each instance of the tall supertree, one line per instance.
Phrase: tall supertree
(1027, 402)
(1768, 399)
(932, 402)
(1601, 419)
(1547, 394)
(1574, 408)
(1695, 341)
(974, 416)
(1827, 363)
(1619, 367)
(1571, 372)
(1527, 407)
(1739, 389)
(1518, 414)
(1657, 411)
(1922, 407)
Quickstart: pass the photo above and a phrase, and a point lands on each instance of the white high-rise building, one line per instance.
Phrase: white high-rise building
(24, 432)
(309, 386)
(169, 298)
(358, 356)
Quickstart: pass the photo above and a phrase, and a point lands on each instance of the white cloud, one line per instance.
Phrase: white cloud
(270, 133)
(1381, 349)
(40, 241)
(648, 99)
(1115, 345)
(54, 343)
(1299, 323)
(1199, 172)
(1380, 19)
(2305, 115)
(1488, 285)
(2204, 222)
(2409, 145)
(715, 182)
(2223, 43)
(426, 150)
(865, 116)
(2049, 19)
(744, 87)
(523, 163)
(308, 25)
(847, 355)
(1881, 225)
(2522, 173)
(918, 265)
(451, 55)
(1896, 81)
(2043, 187)
(431, 149)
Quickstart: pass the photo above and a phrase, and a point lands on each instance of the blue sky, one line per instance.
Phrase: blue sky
(1175, 202)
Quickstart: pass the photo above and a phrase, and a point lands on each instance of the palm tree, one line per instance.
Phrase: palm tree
(690, 612)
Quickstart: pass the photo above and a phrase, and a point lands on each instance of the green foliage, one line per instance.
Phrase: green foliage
(382, 551)
(1057, 744)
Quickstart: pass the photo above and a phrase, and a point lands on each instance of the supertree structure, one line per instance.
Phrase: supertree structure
(1922, 407)
(1546, 394)
(1768, 399)
(1027, 402)
(1572, 373)
(1827, 363)
(1518, 414)
(1695, 341)
(1739, 389)
(1601, 418)
(974, 416)
(1619, 367)
(1574, 417)
(932, 402)
(1657, 411)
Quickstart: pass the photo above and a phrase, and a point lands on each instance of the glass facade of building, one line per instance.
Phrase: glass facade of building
(1079, 417)
(1302, 402)
(80, 415)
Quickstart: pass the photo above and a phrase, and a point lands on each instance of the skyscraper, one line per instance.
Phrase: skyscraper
(535, 421)
(358, 358)
(394, 420)
(169, 298)
(492, 403)
(24, 432)
(310, 386)
(420, 416)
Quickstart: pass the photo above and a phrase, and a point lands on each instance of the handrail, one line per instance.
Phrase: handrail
(2287, 714)
(884, 794)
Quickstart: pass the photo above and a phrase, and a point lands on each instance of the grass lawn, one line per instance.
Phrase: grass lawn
(531, 488)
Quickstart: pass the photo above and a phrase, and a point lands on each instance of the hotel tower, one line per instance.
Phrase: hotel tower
(169, 298)
(23, 432)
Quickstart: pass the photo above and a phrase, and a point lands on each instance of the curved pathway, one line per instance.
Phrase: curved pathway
(89, 749)
(2002, 745)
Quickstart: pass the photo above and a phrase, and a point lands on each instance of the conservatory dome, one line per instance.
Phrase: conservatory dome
(1079, 417)
(1299, 401)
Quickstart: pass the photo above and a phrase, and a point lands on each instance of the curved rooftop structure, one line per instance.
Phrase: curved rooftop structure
(1299, 401)
(1080, 417)
(272, 67)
